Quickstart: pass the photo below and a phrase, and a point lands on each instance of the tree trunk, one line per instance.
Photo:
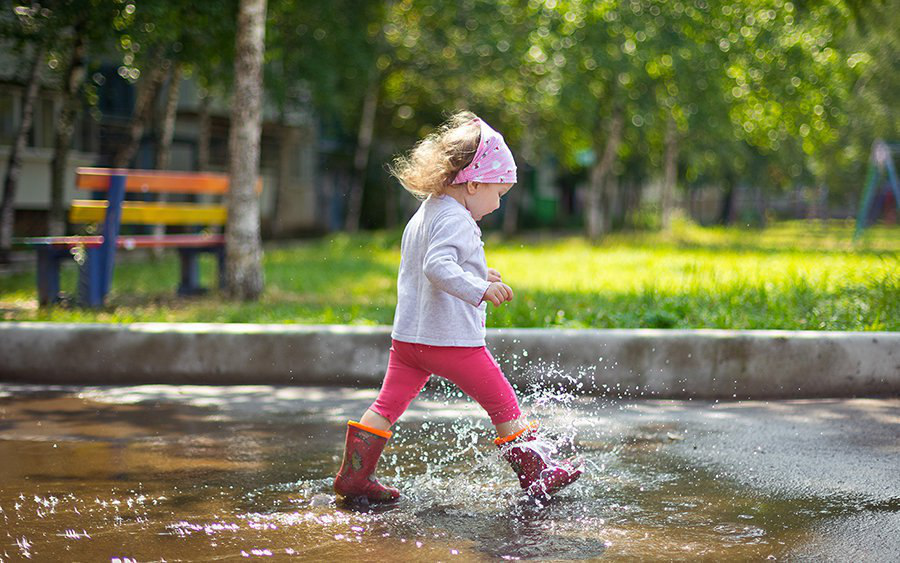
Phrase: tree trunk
(597, 208)
(167, 132)
(243, 272)
(287, 153)
(511, 213)
(147, 89)
(65, 126)
(670, 174)
(164, 139)
(633, 203)
(761, 206)
(390, 207)
(204, 133)
(14, 165)
(726, 212)
(361, 158)
(514, 197)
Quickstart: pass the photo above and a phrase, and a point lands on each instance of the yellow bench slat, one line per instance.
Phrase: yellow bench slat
(150, 213)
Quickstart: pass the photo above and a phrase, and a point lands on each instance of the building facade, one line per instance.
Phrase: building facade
(288, 159)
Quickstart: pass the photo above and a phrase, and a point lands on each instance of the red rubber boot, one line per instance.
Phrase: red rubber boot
(356, 478)
(540, 475)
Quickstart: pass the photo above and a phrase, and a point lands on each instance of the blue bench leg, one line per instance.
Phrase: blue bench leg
(91, 279)
(48, 275)
(190, 272)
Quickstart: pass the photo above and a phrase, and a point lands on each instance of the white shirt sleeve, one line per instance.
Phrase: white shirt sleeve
(451, 243)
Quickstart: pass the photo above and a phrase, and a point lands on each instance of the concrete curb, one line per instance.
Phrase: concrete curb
(643, 362)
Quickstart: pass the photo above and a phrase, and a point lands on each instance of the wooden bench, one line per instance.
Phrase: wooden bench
(99, 251)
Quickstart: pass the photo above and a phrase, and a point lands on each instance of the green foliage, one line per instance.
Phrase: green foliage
(774, 93)
(323, 53)
(799, 275)
(764, 91)
(197, 35)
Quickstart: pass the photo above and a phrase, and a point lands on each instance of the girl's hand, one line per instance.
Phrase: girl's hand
(494, 275)
(498, 293)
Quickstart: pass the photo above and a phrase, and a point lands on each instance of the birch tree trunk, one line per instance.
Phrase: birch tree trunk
(511, 213)
(243, 271)
(14, 165)
(390, 206)
(147, 89)
(726, 210)
(65, 126)
(167, 132)
(670, 176)
(287, 153)
(164, 140)
(204, 133)
(597, 201)
(514, 197)
(361, 158)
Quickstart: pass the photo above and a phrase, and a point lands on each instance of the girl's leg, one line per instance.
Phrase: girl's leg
(479, 376)
(374, 420)
(512, 427)
(403, 382)
(367, 438)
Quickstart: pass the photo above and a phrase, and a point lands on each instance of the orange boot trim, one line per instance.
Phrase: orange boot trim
(369, 429)
(514, 435)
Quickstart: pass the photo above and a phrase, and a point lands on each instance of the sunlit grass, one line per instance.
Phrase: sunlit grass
(788, 277)
(798, 275)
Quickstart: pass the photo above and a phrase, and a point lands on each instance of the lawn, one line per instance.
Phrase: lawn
(796, 275)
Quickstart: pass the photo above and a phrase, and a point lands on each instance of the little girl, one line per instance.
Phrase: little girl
(461, 171)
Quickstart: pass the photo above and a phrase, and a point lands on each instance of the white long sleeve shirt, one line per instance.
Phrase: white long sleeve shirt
(443, 277)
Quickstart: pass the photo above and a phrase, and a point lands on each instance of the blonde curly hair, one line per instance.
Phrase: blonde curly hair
(435, 160)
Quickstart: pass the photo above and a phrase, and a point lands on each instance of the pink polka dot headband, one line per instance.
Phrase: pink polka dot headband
(493, 162)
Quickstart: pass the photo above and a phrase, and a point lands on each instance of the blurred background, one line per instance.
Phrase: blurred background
(682, 163)
(619, 112)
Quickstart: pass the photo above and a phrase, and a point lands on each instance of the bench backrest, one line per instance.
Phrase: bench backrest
(151, 181)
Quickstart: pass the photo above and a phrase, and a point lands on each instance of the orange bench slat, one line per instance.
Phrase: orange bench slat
(156, 181)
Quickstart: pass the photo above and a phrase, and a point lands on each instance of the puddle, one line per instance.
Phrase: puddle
(153, 473)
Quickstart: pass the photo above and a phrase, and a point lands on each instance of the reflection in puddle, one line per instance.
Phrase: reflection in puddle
(182, 473)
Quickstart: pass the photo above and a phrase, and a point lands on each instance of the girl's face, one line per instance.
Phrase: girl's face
(483, 199)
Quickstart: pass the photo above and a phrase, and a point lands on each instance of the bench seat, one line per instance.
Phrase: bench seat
(129, 242)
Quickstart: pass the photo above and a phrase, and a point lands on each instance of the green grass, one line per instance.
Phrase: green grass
(797, 275)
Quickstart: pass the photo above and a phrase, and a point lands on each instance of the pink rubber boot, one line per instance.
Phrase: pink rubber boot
(356, 478)
(531, 457)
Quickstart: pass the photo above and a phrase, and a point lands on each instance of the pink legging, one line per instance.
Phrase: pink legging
(473, 370)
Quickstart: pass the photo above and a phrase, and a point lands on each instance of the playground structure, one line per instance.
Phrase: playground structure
(881, 164)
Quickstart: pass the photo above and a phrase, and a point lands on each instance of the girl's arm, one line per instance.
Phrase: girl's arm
(453, 241)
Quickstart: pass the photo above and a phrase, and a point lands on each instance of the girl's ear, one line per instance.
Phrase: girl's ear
(471, 187)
